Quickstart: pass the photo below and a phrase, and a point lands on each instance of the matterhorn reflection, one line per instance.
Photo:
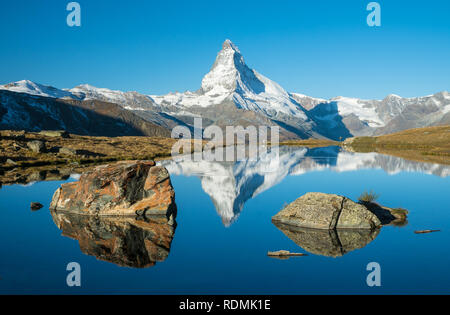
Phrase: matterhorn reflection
(231, 184)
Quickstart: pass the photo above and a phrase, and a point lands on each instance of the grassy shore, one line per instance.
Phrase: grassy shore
(19, 163)
(65, 155)
(312, 143)
(429, 144)
(14, 150)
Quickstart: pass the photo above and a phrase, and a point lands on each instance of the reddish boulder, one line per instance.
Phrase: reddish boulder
(125, 188)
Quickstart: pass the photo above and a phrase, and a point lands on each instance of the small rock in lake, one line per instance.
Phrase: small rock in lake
(284, 253)
(36, 206)
(426, 231)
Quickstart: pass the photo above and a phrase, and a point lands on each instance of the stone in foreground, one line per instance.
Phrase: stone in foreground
(123, 189)
(327, 212)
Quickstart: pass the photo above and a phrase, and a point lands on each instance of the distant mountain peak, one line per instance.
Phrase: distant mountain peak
(32, 88)
(226, 70)
(228, 44)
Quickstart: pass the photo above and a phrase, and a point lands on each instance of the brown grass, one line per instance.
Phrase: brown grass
(310, 143)
(429, 144)
(13, 146)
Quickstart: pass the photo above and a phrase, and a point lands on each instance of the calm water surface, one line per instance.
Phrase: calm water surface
(224, 231)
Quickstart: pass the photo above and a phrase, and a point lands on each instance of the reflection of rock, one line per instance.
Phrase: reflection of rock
(332, 243)
(326, 211)
(124, 188)
(123, 241)
(35, 174)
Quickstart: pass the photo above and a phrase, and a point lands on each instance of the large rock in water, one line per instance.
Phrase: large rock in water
(125, 189)
(325, 211)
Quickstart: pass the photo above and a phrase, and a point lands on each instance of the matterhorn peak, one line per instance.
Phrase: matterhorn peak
(228, 44)
(228, 69)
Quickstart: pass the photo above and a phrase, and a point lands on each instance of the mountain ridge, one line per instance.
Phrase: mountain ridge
(231, 81)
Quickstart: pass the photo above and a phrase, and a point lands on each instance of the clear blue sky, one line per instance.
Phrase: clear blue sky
(320, 48)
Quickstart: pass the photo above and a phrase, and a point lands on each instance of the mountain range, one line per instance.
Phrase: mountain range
(231, 93)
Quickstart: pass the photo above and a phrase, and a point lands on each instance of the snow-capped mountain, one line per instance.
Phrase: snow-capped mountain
(231, 93)
(29, 87)
(128, 100)
(376, 117)
(231, 79)
(231, 184)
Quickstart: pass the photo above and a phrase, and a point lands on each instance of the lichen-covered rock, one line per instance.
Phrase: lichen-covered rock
(123, 188)
(37, 146)
(354, 215)
(326, 211)
(67, 151)
(55, 133)
(123, 241)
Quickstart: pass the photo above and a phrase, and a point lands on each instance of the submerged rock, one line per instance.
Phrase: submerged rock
(327, 212)
(123, 241)
(126, 188)
(330, 243)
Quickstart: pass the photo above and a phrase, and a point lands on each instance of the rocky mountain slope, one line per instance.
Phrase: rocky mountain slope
(20, 111)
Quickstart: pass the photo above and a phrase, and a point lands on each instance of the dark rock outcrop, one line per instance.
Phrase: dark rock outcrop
(328, 212)
(126, 188)
(36, 206)
(124, 241)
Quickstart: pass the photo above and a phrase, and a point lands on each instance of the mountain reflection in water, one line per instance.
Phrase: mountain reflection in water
(231, 184)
